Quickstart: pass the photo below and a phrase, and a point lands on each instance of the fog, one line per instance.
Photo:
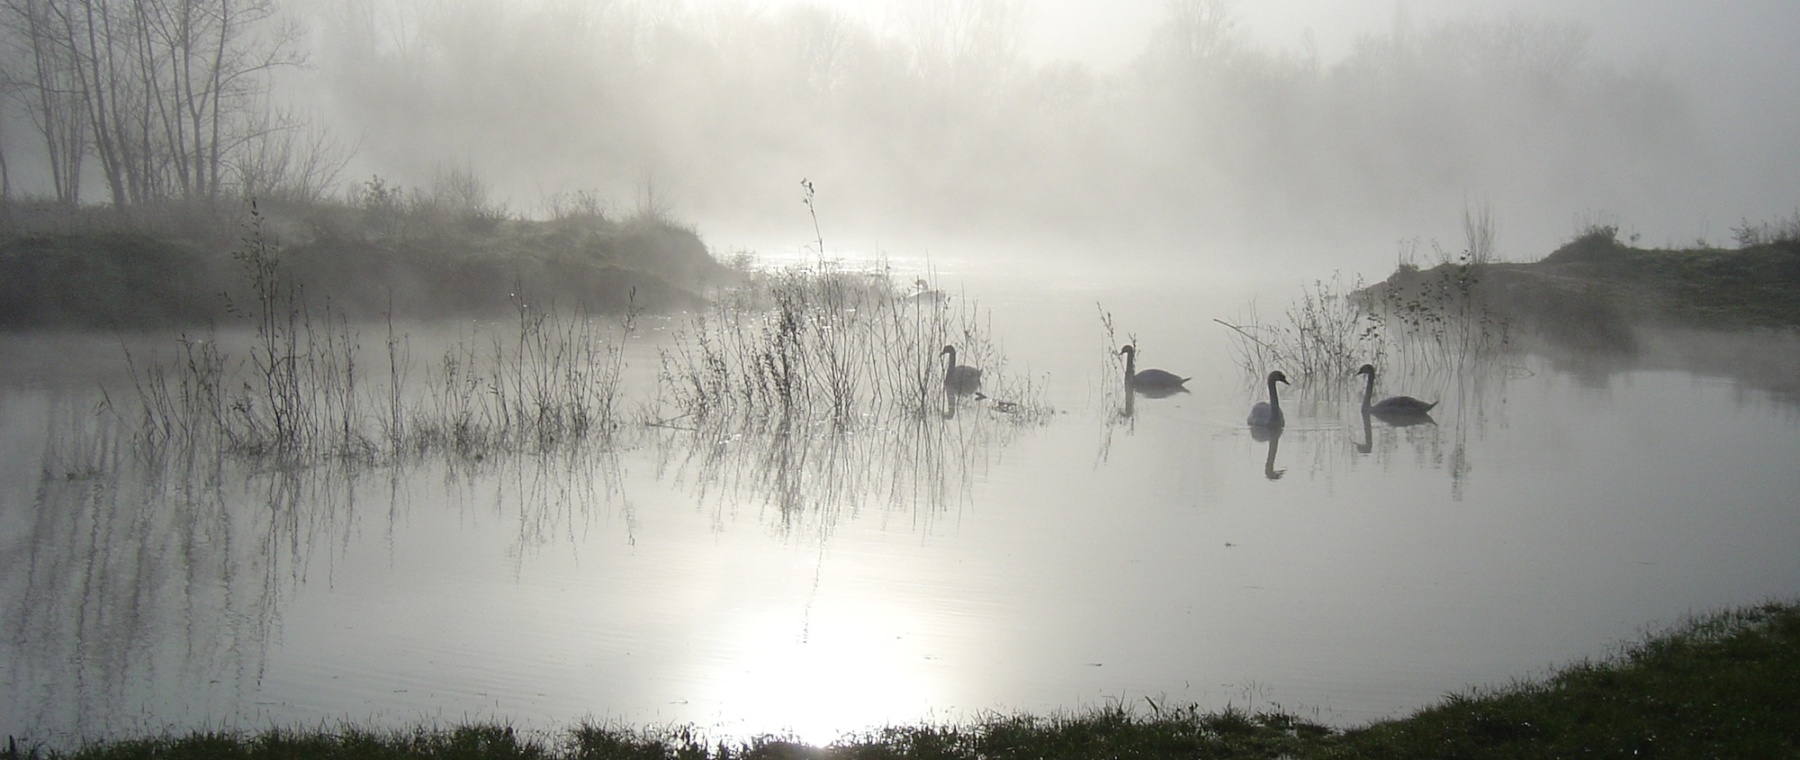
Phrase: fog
(1265, 138)
(789, 522)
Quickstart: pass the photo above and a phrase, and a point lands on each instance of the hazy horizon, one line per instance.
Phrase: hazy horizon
(395, 460)
(1267, 138)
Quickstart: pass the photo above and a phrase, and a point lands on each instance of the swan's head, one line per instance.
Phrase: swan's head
(1127, 350)
(951, 350)
(1277, 377)
(1366, 369)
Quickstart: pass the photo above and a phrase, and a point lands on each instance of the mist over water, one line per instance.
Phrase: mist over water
(1069, 180)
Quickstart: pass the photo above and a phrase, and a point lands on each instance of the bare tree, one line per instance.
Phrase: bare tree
(158, 92)
(203, 67)
(819, 40)
(8, 84)
(47, 84)
(1198, 32)
(966, 42)
(289, 156)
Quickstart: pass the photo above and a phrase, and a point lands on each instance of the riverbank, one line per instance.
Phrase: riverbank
(1725, 684)
(186, 267)
(1597, 294)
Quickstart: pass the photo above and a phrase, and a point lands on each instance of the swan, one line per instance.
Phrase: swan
(1150, 380)
(1393, 406)
(959, 378)
(924, 293)
(1267, 414)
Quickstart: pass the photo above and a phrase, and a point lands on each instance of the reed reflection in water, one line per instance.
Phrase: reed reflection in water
(144, 586)
(812, 476)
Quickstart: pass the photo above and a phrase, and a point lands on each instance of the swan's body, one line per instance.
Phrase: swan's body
(1151, 380)
(959, 378)
(1392, 406)
(924, 293)
(1267, 414)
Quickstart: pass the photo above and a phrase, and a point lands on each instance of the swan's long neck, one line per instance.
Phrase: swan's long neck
(1274, 400)
(1130, 365)
(950, 365)
(1369, 390)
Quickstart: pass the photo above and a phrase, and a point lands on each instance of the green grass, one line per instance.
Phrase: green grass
(1723, 685)
(1727, 685)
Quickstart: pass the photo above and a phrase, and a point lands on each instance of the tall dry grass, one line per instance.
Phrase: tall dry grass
(1420, 320)
(822, 343)
(300, 392)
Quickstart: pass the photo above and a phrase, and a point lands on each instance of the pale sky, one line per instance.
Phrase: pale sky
(1731, 64)
(1106, 33)
(1735, 59)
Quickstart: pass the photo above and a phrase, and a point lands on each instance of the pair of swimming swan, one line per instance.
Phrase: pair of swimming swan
(1267, 414)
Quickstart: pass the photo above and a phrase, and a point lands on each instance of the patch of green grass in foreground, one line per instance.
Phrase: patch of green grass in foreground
(1725, 685)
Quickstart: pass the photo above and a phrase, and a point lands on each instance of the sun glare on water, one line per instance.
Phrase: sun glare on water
(817, 680)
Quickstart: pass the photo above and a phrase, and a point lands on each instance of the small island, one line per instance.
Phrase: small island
(372, 257)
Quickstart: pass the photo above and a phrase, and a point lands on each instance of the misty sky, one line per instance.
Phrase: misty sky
(1739, 54)
(1746, 35)
(1731, 61)
(1347, 126)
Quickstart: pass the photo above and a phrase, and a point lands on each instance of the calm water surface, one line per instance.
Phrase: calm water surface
(917, 572)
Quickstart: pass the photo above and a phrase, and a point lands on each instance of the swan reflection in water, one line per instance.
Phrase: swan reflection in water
(1271, 435)
(1266, 422)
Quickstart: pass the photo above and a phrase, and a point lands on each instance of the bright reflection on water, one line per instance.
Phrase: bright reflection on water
(920, 570)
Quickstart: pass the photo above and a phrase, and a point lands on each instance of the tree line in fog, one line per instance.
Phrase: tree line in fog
(934, 114)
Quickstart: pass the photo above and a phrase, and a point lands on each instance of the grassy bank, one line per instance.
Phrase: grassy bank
(367, 257)
(1595, 292)
(1723, 685)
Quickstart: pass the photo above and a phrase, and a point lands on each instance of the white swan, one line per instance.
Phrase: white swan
(1393, 406)
(1150, 381)
(959, 378)
(1267, 414)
